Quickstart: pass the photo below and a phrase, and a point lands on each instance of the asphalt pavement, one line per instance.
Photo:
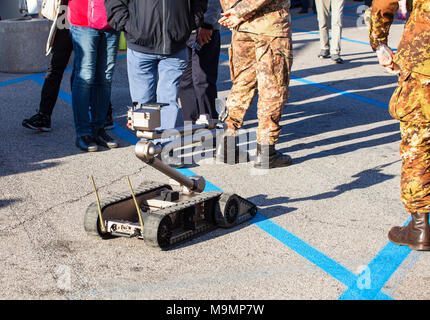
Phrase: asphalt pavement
(322, 223)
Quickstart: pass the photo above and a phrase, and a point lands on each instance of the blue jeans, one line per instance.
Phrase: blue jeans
(95, 56)
(156, 78)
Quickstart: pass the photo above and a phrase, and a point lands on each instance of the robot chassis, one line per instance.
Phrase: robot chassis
(165, 215)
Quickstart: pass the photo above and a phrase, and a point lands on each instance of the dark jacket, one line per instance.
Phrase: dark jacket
(156, 26)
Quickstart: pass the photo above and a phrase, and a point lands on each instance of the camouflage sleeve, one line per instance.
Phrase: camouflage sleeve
(381, 18)
(245, 7)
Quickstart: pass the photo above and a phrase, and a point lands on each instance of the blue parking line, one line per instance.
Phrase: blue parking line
(346, 39)
(39, 75)
(341, 92)
(62, 94)
(333, 90)
(18, 80)
(380, 269)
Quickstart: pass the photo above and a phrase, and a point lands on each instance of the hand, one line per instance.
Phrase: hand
(204, 36)
(385, 57)
(230, 19)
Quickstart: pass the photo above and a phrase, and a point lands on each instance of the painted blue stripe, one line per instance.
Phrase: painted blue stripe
(346, 39)
(18, 80)
(341, 92)
(327, 264)
(39, 75)
(381, 268)
(334, 90)
(317, 33)
(62, 94)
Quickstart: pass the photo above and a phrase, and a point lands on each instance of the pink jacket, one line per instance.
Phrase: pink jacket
(88, 13)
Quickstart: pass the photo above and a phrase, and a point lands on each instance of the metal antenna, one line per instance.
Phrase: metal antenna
(137, 206)
(102, 224)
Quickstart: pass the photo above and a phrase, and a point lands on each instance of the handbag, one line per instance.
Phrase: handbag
(50, 9)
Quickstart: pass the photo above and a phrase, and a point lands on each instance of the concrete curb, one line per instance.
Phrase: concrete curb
(22, 45)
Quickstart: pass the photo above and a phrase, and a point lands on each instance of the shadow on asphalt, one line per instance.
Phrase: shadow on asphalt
(364, 179)
(7, 202)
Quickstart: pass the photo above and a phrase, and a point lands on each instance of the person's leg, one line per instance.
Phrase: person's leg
(61, 51)
(107, 53)
(190, 109)
(170, 70)
(323, 14)
(85, 46)
(410, 104)
(205, 75)
(274, 56)
(243, 76)
(142, 76)
(336, 25)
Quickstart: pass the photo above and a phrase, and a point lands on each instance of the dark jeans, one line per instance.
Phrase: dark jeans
(61, 51)
(368, 2)
(198, 89)
(95, 57)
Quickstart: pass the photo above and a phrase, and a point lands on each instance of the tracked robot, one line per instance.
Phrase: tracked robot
(165, 215)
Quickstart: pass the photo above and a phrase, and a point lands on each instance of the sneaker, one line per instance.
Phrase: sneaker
(324, 54)
(109, 120)
(103, 139)
(336, 58)
(38, 122)
(86, 143)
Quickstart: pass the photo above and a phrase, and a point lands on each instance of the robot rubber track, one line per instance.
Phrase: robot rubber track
(166, 227)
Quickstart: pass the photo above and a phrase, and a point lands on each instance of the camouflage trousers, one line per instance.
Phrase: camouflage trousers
(259, 64)
(410, 104)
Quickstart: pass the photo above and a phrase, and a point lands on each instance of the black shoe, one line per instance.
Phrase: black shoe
(267, 158)
(86, 143)
(109, 120)
(103, 139)
(303, 11)
(324, 54)
(336, 58)
(38, 122)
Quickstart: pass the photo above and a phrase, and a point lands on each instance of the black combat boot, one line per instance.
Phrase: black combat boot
(228, 151)
(416, 234)
(267, 157)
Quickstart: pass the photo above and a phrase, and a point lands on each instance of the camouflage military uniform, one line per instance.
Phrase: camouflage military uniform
(260, 61)
(410, 102)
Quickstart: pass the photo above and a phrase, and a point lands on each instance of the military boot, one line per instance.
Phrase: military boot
(416, 234)
(267, 158)
(228, 151)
